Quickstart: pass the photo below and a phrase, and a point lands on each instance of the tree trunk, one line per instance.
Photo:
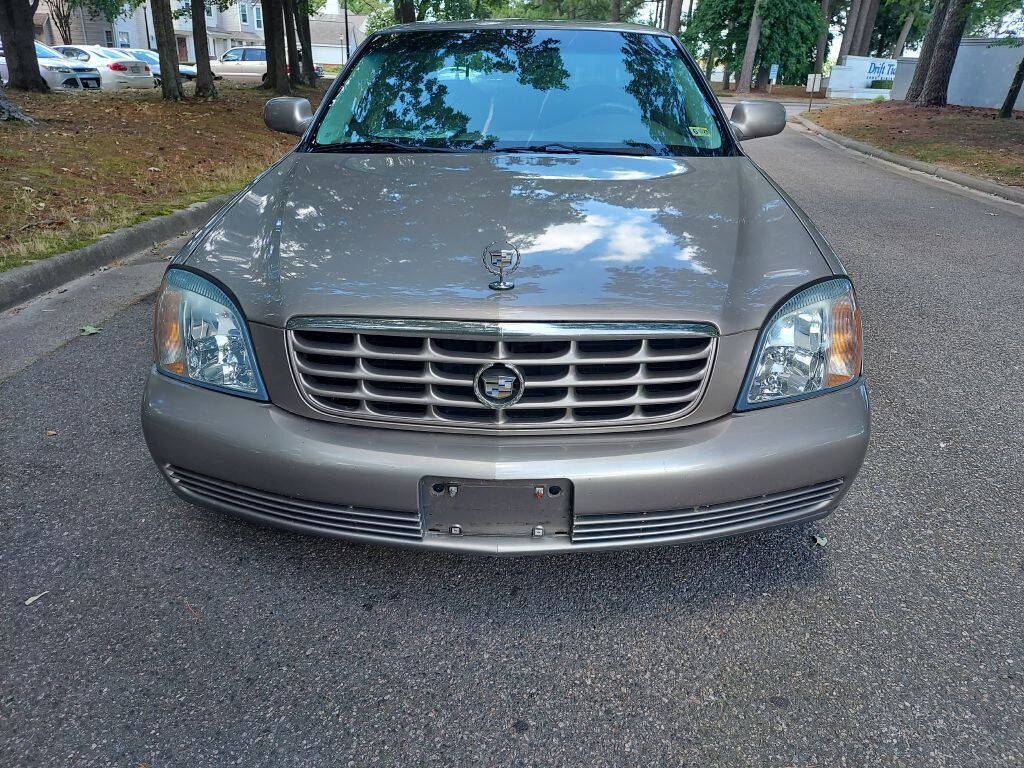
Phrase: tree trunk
(18, 33)
(933, 94)
(689, 13)
(819, 53)
(9, 111)
(294, 65)
(709, 64)
(305, 41)
(725, 78)
(864, 18)
(901, 41)
(868, 32)
(675, 10)
(1006, 111)
(408, 11)
(753, 37)
(167, 47)
(616, 10)
(763, 79)
(205, 89)
(924, 59)
(273, 29)
(850, 30)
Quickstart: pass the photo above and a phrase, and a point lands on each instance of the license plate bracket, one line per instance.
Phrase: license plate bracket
(467, 507)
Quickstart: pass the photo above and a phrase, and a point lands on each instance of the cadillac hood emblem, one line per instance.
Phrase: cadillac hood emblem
(499, 385)
(501, 259)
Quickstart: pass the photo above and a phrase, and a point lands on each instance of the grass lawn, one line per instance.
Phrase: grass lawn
(96, 162)
(966, 139)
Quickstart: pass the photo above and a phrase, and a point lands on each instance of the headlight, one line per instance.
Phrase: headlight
(201, 337)
(811, 345)
(56, 68)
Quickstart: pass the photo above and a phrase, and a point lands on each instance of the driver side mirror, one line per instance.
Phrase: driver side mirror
(288, 114)
(754, 119)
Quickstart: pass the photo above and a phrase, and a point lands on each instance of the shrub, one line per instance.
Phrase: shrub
(881, 84)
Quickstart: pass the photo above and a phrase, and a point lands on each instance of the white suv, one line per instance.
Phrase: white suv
(247, 65)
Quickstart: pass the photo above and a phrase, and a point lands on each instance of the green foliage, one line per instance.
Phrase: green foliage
(718, 30)
(381, 18)
(881, 84)
(789, 35)
(105, 9)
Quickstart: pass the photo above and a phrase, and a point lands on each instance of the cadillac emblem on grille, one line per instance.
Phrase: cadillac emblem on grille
(501, 259)
(499, 385)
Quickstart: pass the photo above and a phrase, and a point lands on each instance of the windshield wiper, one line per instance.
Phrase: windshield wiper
(633, 148)
(379, 146)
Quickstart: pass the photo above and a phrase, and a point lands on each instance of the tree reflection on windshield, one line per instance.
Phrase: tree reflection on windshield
(521, 88)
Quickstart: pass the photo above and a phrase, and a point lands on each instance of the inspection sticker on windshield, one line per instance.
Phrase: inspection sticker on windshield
(699, 131)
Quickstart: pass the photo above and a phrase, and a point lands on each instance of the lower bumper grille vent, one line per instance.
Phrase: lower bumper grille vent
(763, 511)
(323, 516)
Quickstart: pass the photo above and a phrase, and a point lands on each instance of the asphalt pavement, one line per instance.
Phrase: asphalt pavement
(170, 636)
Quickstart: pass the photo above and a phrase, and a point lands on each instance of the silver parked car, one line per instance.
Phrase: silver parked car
(117, 69)
(60, 73)
(516, 290)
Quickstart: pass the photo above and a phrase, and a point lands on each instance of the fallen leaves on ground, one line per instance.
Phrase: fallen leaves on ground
(967, 139)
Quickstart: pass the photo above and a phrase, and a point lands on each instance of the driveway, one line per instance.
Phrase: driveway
(170, 636)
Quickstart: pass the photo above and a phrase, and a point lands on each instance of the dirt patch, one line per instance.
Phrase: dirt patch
(94, 163)
(966, 139)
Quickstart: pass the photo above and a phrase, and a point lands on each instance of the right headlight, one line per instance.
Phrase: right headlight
(810, 345)
(202, 337)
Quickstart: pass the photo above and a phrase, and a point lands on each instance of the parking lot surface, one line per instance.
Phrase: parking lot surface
(170, 636)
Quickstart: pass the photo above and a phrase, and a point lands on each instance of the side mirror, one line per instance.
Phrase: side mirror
(288, 114)
(754, 119)
(82, 57)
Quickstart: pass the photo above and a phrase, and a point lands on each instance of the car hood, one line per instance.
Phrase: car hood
(601, 238)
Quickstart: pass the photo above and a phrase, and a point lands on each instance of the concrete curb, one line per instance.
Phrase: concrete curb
(963, 179)
(31, 280)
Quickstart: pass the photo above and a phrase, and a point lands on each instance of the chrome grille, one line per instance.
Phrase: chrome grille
(575, 375)
(761, 512)
(323, 516)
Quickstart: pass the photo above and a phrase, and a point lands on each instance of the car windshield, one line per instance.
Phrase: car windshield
(147, 56)
(42, 52)
(555, 90)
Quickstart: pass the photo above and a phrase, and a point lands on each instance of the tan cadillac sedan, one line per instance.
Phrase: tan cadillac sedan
(516, 290)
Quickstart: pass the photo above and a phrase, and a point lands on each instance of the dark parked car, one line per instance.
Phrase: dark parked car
(517, 289)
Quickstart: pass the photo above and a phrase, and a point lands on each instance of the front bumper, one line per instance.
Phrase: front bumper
(261, 462)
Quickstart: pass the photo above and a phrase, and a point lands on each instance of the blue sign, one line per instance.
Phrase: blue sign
(774, 74)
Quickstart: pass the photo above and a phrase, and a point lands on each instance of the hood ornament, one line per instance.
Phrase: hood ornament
(501, 259)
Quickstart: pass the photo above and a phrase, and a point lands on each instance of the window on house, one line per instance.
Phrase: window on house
(257, 13)
(108, 35)
(209, 10)
(243, 13)
(123, 41)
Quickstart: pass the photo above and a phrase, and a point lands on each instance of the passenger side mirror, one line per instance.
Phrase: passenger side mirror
(288, 114)
(754, 119)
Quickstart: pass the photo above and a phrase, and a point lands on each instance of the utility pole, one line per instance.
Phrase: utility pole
(346, 32)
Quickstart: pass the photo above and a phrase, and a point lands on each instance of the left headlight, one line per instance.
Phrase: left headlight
(809, 346)
(201, 337)
(56, 68)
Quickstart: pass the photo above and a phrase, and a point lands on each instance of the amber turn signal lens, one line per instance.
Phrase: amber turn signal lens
(167, 332)
(845, 358)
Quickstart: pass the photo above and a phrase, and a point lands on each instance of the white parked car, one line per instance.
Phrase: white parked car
(247, 65)
(117, 69)
(60, 73)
